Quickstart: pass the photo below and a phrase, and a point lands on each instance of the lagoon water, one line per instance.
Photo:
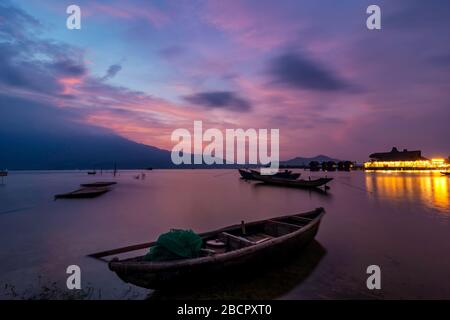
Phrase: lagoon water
(398, 221)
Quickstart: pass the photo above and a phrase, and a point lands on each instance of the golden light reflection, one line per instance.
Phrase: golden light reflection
(430, 188)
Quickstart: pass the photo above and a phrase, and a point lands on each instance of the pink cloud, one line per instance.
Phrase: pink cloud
(258, 29)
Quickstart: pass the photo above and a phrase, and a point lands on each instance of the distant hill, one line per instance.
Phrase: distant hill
(34, 136)
(53, 152)
(300, 161)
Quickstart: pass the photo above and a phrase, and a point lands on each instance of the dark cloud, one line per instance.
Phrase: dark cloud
(296, 71)
(16, 72)
(68, 67)
(219, 99)
(112, 71)
(30, 63)
(16, 23)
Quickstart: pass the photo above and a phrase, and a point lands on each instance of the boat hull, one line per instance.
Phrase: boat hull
(254, 175)
(98, 184)
(246, 174)
(87, 192)
(146, 275)
(305, 184)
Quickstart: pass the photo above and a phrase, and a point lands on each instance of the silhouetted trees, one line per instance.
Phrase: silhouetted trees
(314, 166)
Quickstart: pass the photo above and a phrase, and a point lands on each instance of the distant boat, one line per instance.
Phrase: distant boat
(286, 174)
(149, 168)
(247, 175)
(99, 184)
(224, 251)
(3, 173)
(253, 174)
(89, 192)
(445, 173)
(295, 183)
(92, 172)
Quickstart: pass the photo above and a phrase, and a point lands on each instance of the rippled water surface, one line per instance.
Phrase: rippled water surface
(399, 221)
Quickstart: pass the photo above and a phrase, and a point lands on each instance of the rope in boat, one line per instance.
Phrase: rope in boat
(16, 210)
(355, 187)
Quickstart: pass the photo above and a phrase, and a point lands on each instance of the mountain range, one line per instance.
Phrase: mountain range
(301, 161)
(36, 137)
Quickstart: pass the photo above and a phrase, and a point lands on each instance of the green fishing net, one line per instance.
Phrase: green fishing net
(175, 244)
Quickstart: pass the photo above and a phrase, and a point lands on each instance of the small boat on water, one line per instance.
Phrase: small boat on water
(3, 173)
(224, 251)
(92, 172)
(445, 173)
(286, 174)
(99, 184)
(245, 174)
(88, 192)
(253, 174)
(302, 183)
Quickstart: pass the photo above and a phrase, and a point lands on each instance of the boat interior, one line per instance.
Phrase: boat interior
(253, 234)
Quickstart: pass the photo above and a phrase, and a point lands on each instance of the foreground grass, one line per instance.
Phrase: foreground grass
(55, 291)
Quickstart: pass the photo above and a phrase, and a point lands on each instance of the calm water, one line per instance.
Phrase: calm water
(399, 221)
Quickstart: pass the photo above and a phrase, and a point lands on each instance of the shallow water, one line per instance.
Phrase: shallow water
(399, 221)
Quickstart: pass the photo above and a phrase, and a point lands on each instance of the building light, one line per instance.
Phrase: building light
(433, 164)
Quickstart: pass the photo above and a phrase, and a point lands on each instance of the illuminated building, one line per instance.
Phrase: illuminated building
(404, 160)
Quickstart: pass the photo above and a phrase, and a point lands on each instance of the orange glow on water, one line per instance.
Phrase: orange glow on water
(431, 188)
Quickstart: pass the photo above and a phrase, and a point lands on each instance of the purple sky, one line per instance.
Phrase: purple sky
(310, 68)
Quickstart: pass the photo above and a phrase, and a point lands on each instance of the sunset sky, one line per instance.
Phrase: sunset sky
(312, 69)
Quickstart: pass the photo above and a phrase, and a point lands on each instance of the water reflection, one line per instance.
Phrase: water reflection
(431, 188)
(262, 283)
(310, 191)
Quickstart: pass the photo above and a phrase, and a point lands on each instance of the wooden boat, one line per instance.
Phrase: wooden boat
(445, 173)
(253, 174)
(89, 192)
(247, 175)
(257, 244)
(99, 184)
(295, 183)
(286, 174)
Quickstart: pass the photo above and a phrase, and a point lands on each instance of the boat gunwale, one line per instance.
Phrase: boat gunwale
(128, 265)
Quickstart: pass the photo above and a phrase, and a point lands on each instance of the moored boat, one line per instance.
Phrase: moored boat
(445, 173)
(3, 173)
(302, 183)
(99, 184)
(254, 175)
(286, 174)
(245, 174)
(224, 251)
(88, 192)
